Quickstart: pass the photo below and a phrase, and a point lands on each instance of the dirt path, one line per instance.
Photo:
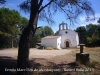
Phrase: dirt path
(34, 53)
(41, 56)
(38, 58)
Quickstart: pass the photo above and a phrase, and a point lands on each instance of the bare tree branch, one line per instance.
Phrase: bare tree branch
(45, 5)
(25, 6)
(40, 3)
(62, 9)
(2, 1)
(71, 8)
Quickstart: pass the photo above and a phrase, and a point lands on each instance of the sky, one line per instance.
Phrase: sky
(59, 17)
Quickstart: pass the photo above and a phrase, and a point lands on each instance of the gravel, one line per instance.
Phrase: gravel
(34, 53)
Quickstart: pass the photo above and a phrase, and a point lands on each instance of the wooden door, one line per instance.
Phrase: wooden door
(67, 44)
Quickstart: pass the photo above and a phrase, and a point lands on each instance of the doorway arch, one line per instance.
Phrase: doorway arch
(67, 43)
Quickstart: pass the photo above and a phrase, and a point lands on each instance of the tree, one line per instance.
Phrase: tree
(24, 23)
(71, 8)
(57, 32)
(98, 20)
(2, 1)
(9, 22)
(92, 34)
(40, 33)
(48, 31)
(91, 28)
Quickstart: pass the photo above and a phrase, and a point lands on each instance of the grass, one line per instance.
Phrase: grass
(93, 65)
(94, 59)
(94, 54)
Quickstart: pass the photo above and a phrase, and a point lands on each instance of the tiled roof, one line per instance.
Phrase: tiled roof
(50, 37)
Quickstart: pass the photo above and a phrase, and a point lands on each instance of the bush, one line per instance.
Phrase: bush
(41, 47)
(49, 48)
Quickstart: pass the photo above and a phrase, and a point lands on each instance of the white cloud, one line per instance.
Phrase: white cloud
(97, 15)
(82, 18)
(91, 22)
(83, 21)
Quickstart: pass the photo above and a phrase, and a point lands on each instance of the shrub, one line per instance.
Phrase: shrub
(49, 48)
(41, 47)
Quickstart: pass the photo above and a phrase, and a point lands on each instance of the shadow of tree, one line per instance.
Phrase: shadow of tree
(53, 68)
(7, 63)
(62, 67)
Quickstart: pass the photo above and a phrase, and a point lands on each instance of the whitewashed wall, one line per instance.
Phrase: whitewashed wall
(59, 43)
(71, 35)
(51, 42)
(77, 39)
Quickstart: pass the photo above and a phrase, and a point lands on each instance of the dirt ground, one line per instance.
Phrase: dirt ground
(39, 58)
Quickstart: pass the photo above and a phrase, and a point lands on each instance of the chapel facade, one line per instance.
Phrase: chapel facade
(65, 38)
(69, 38)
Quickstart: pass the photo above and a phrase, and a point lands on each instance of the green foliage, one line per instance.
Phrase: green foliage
(89, 39)
(40, 33)
(91, 35)
(24, 23)
(56, 33)
(12, 29)
(10, 21)
(41, 47)
(48, 31)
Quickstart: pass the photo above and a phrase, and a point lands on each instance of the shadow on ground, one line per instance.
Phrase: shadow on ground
(7, 63)
(53, 69)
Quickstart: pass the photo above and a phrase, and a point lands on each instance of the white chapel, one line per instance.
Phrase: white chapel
(65, 38)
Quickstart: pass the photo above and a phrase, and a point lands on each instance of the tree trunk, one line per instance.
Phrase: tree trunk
(24, 43)
(12, 43)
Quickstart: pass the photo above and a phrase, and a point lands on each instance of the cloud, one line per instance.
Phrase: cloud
(90, 22)
(83, 21)
(83, 18)
(97, 15)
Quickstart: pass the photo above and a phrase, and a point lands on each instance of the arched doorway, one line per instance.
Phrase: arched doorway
(67, 44)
